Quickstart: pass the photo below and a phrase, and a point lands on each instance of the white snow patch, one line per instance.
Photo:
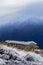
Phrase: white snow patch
(37, 57)
(2, 62)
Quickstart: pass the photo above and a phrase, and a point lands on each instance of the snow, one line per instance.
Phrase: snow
(37, 57)
(2, 62)
(14, 50)
(20, 54)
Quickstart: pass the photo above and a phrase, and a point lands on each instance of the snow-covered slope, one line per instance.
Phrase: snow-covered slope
(14, 56)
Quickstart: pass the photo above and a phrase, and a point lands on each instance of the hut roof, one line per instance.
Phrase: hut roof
(20, 42)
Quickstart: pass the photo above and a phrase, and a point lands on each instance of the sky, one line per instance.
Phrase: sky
(6, 6)
(20, 9)
(17, 2)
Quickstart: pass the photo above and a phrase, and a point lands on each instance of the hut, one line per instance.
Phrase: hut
(21, 44)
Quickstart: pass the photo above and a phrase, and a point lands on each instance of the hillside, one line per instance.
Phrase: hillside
(14, 56)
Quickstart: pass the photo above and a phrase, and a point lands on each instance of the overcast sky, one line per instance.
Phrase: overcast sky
(20, 8)
(17, 2)
(7, 6)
